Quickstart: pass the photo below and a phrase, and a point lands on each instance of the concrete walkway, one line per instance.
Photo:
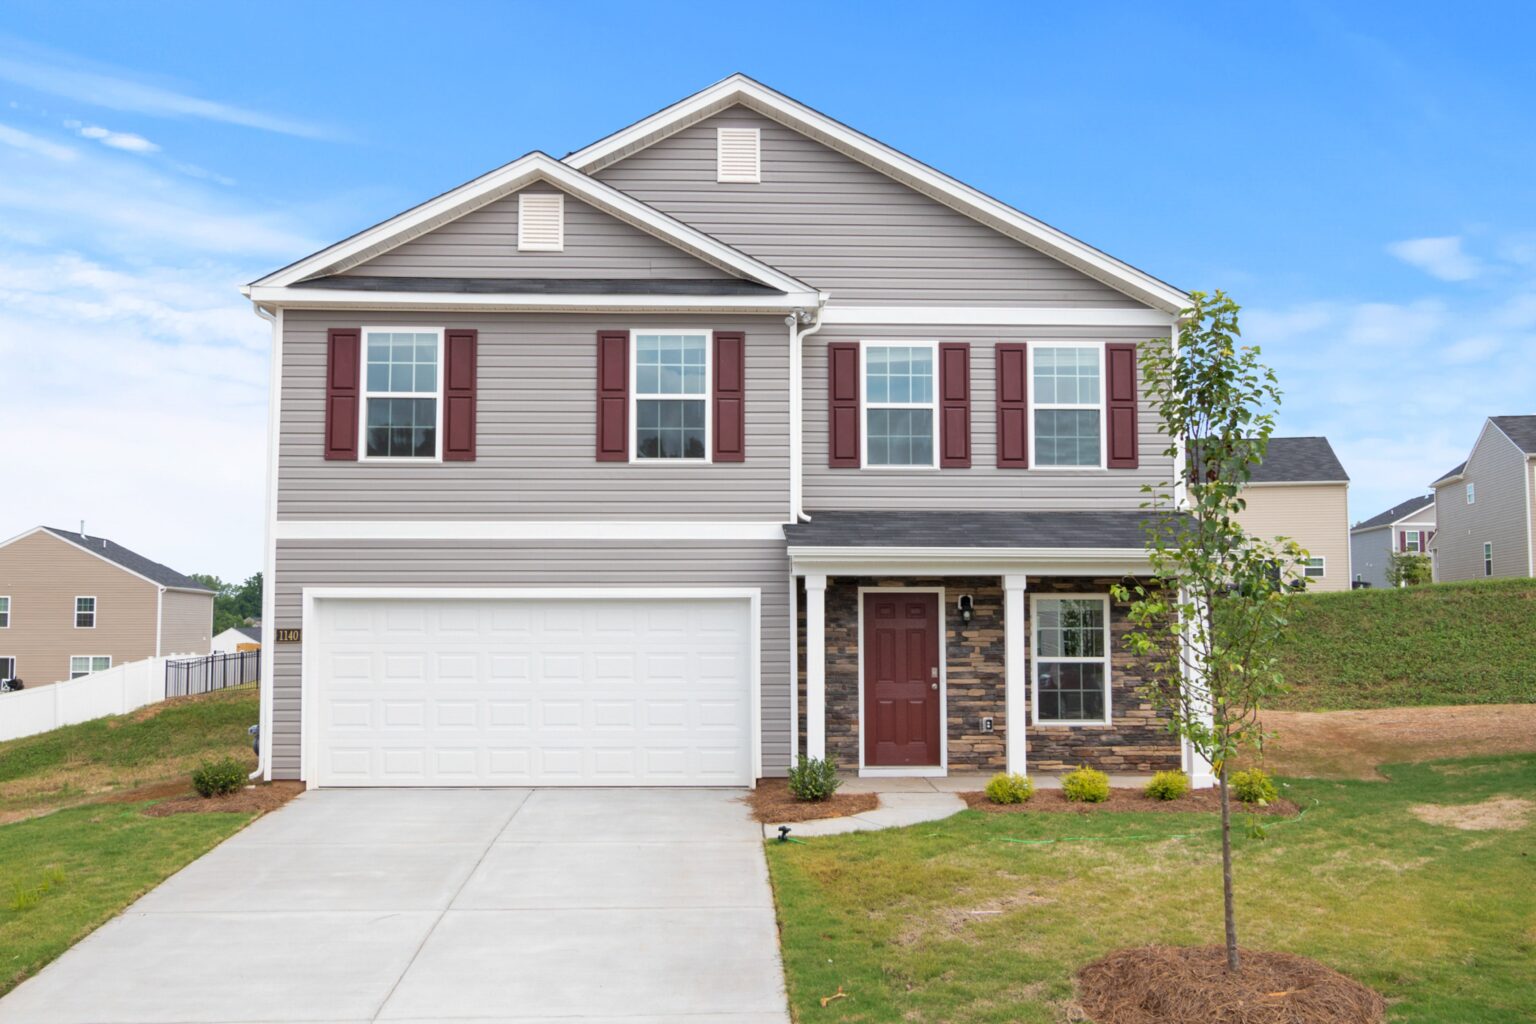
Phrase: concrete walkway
(640, 906)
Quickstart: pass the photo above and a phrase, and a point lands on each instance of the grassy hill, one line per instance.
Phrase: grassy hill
(1449, 643)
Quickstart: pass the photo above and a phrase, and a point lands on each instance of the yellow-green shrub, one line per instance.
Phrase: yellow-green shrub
(1086, 785)
(1253, 786)
(1009, 788)
(1168, 785)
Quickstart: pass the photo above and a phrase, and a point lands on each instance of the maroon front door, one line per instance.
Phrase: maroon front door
(902, 709)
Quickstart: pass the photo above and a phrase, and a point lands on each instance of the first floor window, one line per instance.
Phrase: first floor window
(1069, 399)
(671, 396)
(85, 664)
(1071, 659)
(1412, 541)
(400, 399)
(1315, 568)
(898, 405)
(85, 613)
(5, 612)
(1487, 559)
(7, 668)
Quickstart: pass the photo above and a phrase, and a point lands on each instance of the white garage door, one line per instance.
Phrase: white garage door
(542, 692)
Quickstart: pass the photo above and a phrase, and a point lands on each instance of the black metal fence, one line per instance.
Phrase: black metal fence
(215, 672)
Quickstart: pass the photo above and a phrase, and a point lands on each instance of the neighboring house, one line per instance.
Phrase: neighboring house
(1300, 491)
(1404, 529)
(237, 638)
(72, 604)
(1483, 507)
(568, 462)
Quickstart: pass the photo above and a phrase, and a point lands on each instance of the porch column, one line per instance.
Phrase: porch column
(1015, 671)
(815, 665)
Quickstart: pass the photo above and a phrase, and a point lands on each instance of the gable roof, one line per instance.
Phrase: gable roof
(1519, 429)
(134, 562)
(1402, 510)
(249, 632)
(504, 181)
(1450, 475)
(745, 91)
(1295, 460)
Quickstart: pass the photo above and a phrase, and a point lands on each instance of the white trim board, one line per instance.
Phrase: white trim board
(914, 174)
(525, 529)
(907, 771)
(995, 316)
(450, 302)
(860, 561)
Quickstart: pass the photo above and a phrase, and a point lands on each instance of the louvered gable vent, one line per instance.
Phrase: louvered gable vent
(540, 222)
(738, 155)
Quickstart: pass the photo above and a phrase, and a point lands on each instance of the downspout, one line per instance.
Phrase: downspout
(159, 619)
(269, 553)
(795, 321)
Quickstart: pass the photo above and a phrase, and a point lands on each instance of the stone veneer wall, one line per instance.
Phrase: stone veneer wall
(1137, 741)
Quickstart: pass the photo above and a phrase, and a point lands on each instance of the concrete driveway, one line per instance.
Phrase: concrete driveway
(445, 905)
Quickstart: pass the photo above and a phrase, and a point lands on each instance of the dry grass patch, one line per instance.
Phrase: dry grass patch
(1501, 813)
(1351, 744)
(773, 804)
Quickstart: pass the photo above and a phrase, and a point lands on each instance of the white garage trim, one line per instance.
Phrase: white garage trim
(308, 662)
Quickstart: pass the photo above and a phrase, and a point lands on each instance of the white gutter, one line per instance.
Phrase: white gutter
(797, 404)
(269, 551)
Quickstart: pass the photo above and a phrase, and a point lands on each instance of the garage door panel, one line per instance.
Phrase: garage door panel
(518, 692)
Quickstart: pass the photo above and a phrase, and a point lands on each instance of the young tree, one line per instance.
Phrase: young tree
(1409, 570)
(1210, 620)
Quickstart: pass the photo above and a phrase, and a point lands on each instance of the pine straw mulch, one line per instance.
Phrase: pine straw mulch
(1182, 985)
(1122, 799)
(773, 804)
(180, 798)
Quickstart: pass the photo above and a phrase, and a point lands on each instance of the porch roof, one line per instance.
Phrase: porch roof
(988, 530)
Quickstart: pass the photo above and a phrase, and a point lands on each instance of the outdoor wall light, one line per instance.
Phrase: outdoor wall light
(967, 608)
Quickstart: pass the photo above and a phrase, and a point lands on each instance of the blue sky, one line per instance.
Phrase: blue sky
(1359, 176)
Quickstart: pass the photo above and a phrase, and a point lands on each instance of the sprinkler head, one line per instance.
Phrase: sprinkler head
(783, 833)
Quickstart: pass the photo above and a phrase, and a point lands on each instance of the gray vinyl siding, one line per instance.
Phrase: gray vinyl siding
(984, 485)
(186, 622)
(536, 439)
(1501, 475)
(1369, 553)
(736, 564)
(484, 244)
(841, 226)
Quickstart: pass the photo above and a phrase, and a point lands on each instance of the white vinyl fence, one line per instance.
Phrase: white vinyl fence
(115, 691)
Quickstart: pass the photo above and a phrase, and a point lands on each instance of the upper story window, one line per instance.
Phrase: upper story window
(85, 613)
(540, 222)
(899, 404)
(1471, 493)
(5, 612)
(401, 392)
(85, 664)
(671, 395)
(1068, 398)
(1071, 660)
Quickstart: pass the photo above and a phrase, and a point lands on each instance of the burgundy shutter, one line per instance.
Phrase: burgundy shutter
(730, 414)
(1120, 411)
(1402, 540)
(612, 396)
(1012, 406)
(459, 374)
(843, 404)
(955, 405)
(343, 371)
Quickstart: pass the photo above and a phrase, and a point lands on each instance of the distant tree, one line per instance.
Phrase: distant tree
(232, 604)
(1409, 569)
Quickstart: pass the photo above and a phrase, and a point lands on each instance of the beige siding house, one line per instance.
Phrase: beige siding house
(1483, 507)
(73, 604)
(1301, 492)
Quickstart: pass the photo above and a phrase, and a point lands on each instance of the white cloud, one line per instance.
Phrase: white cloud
(1441, 257)
(117, 140)
(30, 143)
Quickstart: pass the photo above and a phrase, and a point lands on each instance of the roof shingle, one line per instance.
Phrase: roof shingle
(1401, 510)
(130, 560)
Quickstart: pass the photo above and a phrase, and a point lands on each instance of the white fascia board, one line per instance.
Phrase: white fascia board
(1023, 316)
(1296, 483)
(533, 530)
(912, 173)
(279, 297)
(504, 181)
(854, 561)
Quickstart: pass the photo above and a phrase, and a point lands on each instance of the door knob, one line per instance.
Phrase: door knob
(934, 685)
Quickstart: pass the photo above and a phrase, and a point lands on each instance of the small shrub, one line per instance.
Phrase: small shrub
(1253, 786)
(1009, 788)
(1086, 785)
(1168, 786)
(813, 779)
(219, 778)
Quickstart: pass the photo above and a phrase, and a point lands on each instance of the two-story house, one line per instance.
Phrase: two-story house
(1483, 514)
(1404, 529)
(733, 436)
(72, 604)
(1299, 491)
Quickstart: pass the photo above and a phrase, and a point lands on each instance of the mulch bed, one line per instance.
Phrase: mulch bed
(258, 799)
(1195, 801)
(772, 803)
(1178, 985)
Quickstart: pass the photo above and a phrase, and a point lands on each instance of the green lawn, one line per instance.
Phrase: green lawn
(948, 923)
(1448, 643)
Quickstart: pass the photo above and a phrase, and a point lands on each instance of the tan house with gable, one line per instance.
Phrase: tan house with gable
(72, 604)
(1300, 491)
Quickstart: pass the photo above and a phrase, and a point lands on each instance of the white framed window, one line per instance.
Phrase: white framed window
(1471, 493)
(1413, 541)
(85, 664)
(85, 613)
(1487, 559)
(7, 667)
(738, 155)
(899, 400)
(1066, 398)
(402, 393)
(5, 613)
(1070, 659)
(669, 387)
(540, 222)
(1315, 568)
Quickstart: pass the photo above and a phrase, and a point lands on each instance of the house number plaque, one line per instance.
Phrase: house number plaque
(289, 636)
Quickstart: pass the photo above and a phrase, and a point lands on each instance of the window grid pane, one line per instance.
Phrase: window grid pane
(900, 437)
(402, 363)
(5, 612)
(669, 428)
(1067, 437)
(402, 428)
(1071, 640)
(670, 364)
(85, 612)
(898, 374)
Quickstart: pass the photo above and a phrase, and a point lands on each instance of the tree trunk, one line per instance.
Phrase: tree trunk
(1228, 910)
